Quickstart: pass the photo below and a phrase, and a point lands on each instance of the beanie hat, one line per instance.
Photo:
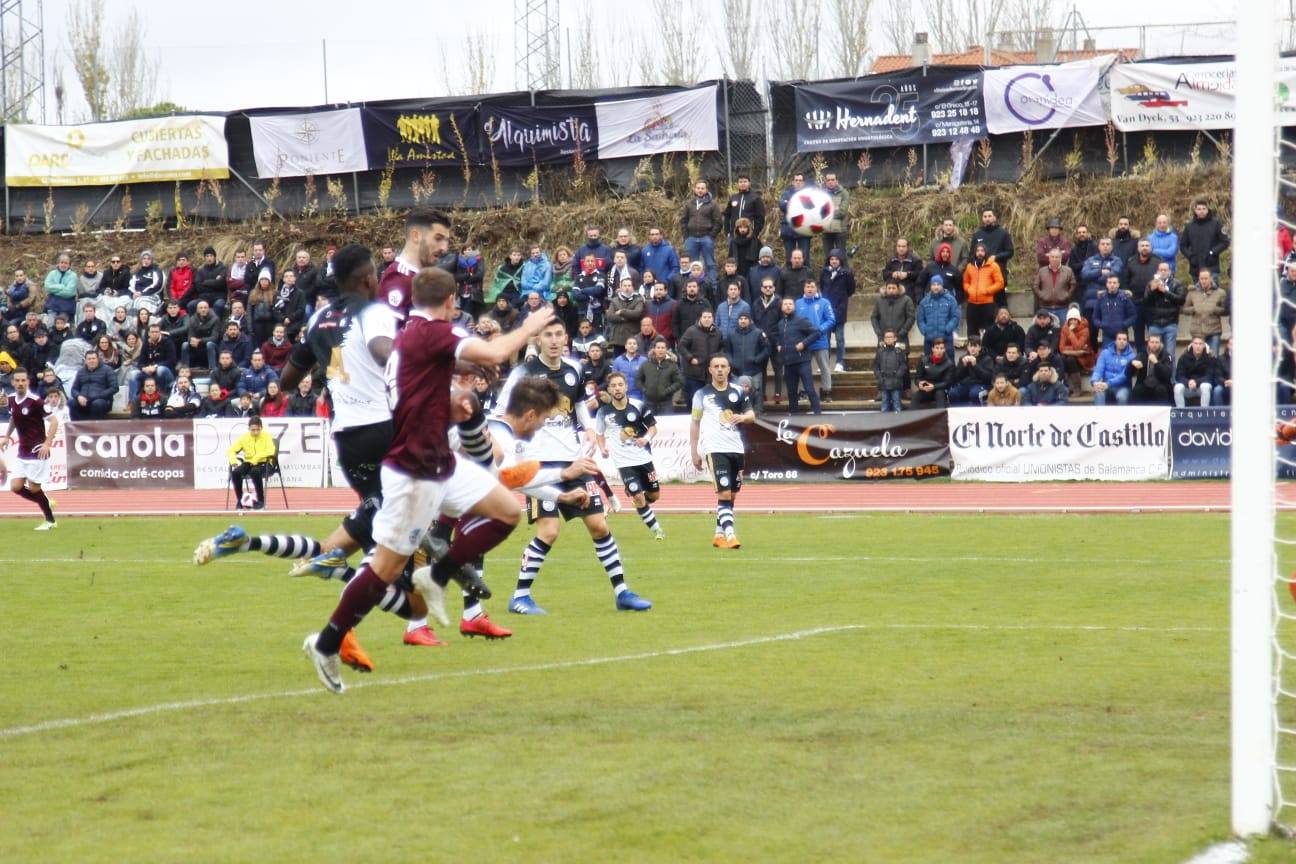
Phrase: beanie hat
(938, 280)
(1073, 314)
(765, 250)
(210, 250)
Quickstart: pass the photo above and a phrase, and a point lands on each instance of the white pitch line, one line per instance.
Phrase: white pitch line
(1234, 852)
(168, 707)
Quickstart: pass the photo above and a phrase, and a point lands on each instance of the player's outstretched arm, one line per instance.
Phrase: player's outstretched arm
(501, 348)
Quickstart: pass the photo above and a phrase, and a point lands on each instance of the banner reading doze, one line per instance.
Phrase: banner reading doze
(110, 454)
(855, 446)
(302, 445)
(1069, 442)
(890, 110)
(184, 147)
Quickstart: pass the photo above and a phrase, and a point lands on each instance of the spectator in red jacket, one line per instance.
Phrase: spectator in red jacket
(276, 349)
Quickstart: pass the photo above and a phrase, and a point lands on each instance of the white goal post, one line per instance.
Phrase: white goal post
(1253, 463)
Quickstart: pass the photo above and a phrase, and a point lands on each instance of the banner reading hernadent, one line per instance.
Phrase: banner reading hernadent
(892, 110)
(855, 446)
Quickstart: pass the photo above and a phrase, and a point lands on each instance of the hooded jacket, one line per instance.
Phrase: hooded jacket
(949, 269)
(1039, 393)
(537, 275)
(938, 315)
(1202, 241)
(1113, 366)
(998, 244)
(894, 313)
(1114, 313)
(1010, 396)
(981, 282)
(702, 217)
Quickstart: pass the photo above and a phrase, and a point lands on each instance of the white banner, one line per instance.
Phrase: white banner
(1187, 96)
(667, 123)
(1044, 97)
(320, 142)
(670, 450)
(58, 479)
(1072, 442)
(185, 147)
(301, 442)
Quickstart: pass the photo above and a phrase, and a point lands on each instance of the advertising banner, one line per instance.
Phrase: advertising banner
(301, 443)
(1044, 97)
(1200, 439)
(1070, 442)
(668, 123)
(891, 110)
(415, 137)
(856, 446)
(670, 452)
(183, 147)
(1187, 96)
(319, 142)
(517, 136)
(141, 454)
(58, 478)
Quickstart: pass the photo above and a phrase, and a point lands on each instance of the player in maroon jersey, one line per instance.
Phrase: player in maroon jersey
(420, 475)
(427, 238)
(32, 467)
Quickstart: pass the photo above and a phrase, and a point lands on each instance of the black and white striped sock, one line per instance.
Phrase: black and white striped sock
(533, 557)
(725, 517)
(648, 516)
(284, 545)
(397, 602)
(610, 557)
(473, 439)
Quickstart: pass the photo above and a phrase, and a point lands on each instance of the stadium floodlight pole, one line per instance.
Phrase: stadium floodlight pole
(1253, 464)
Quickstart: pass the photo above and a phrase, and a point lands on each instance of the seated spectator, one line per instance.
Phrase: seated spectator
(1044, 388)
(216, 403)
(1150, 374)
(243, 405)
(31, 326)
(143, 317)
(487, 396)
(1074, 346)
(109, 354)
(60, 332)
(184, 400)
(1004, 331)
(891, 367)
(17, 347)
(938, 315)
(61, 287)
(157, 360)
(250, 457)
(1207, 305)
(117, 327)
(238, 315)
(973, 375)
(1194, 376)
(48, 381)
(93, 389)
(533, 304)
(275, 401)
(1110, 376)
(226, 372)
(200, 336)
(584, 338)
(89, 283)
(276, 349)
(628, 364)
(1043, 329)
(537, 275)
(1222, 392)
(255, 378)
(150, 403)
(894, 310)
(42, 351)
(236, 342)
(625, 310)
(91, 328)
(904, 268)
(933, 379)
(1002, 393)
(507, 280)
(504, 314)
(302, 402)
(1013, 364)
(175, 324)
(1052, 241)
(146, 284)
(211, 283)
(562, 271)
(19, 296)
(116, 279)
(8, 365)
(1044, 355)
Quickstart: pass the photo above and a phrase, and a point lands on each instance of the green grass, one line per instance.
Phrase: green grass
(966, 718)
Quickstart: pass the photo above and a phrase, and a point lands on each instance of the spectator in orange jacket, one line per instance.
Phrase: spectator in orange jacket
(982, 281)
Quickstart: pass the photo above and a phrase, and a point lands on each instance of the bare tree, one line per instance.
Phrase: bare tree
(740, 37)
(132, 69)
(646, 58)
(480, 64)
(957, 25)
(585, 64)
(1032, 20)
(898, 26)
(794, 37)
(679, 33)
(849, 22)
(85, 28)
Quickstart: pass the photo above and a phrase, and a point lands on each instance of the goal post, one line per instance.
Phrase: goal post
(1252, 625)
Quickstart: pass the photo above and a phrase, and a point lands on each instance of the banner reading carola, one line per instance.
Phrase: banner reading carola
(109, 454)
(1060, 443)
(861, 446)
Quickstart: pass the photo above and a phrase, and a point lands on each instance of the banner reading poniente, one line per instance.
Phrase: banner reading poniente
(318, 142)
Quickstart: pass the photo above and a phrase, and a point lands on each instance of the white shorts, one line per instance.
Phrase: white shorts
(32, 470)
(410, 503)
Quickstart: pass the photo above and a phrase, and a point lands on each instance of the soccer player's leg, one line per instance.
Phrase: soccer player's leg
(609, 555)
(728, 470)
(642, 486)
(544, 515)
(488, 514)
(26, 482)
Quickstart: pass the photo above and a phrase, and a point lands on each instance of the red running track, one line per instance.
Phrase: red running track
(1071, 497)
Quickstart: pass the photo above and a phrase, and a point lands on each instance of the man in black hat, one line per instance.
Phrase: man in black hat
(210, 283)
(1053, 239)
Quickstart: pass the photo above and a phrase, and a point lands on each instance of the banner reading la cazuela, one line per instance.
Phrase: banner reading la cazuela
(855, 446)
(183, 147)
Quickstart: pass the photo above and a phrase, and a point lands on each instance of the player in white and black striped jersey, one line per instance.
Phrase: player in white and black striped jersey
(625, 428)
(719, 409)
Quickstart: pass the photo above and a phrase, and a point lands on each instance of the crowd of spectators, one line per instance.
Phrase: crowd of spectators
(210, 340)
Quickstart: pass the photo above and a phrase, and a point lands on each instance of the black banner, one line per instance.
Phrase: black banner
(110, 454)
(415, 137)
(896, 109)
(856, 446)
(525, 135)
(1202, 438)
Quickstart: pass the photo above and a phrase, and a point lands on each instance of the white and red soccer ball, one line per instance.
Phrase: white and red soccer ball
(809, 211)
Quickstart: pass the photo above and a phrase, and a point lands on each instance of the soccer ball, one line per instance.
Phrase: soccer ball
(809, 211)
(249, 499)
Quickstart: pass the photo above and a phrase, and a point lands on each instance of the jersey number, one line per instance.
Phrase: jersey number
(336, 371)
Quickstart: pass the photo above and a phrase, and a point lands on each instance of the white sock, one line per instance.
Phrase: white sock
(414, 624)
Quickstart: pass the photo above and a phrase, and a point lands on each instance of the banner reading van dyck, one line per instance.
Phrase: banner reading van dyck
(855, 446)
(1062, 443)
(183, 147)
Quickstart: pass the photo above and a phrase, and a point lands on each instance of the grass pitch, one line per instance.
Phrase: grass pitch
(848, 688)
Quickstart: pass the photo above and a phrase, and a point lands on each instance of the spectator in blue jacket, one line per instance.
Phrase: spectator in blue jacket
(659, 256)
(537, 274)
(93, 389)
(938, 315)
(1114, 311)
(628, 364)
(838, 286)
(816, 309)
(1093, 276)
(795, 335)
(593, 246)
(1164, 240)
(727, 313)
(1110, 377)
(255, 378)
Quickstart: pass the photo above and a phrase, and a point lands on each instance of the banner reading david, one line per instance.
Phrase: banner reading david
(184, 147)
(855, 446)
(1044, 97)
(1073, 442)
(300, 441)
(666, 123)
(319, 142)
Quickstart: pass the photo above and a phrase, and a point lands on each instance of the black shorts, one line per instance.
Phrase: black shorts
(640, 478)
(537, 509)
(727, 471)
(360, 451)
